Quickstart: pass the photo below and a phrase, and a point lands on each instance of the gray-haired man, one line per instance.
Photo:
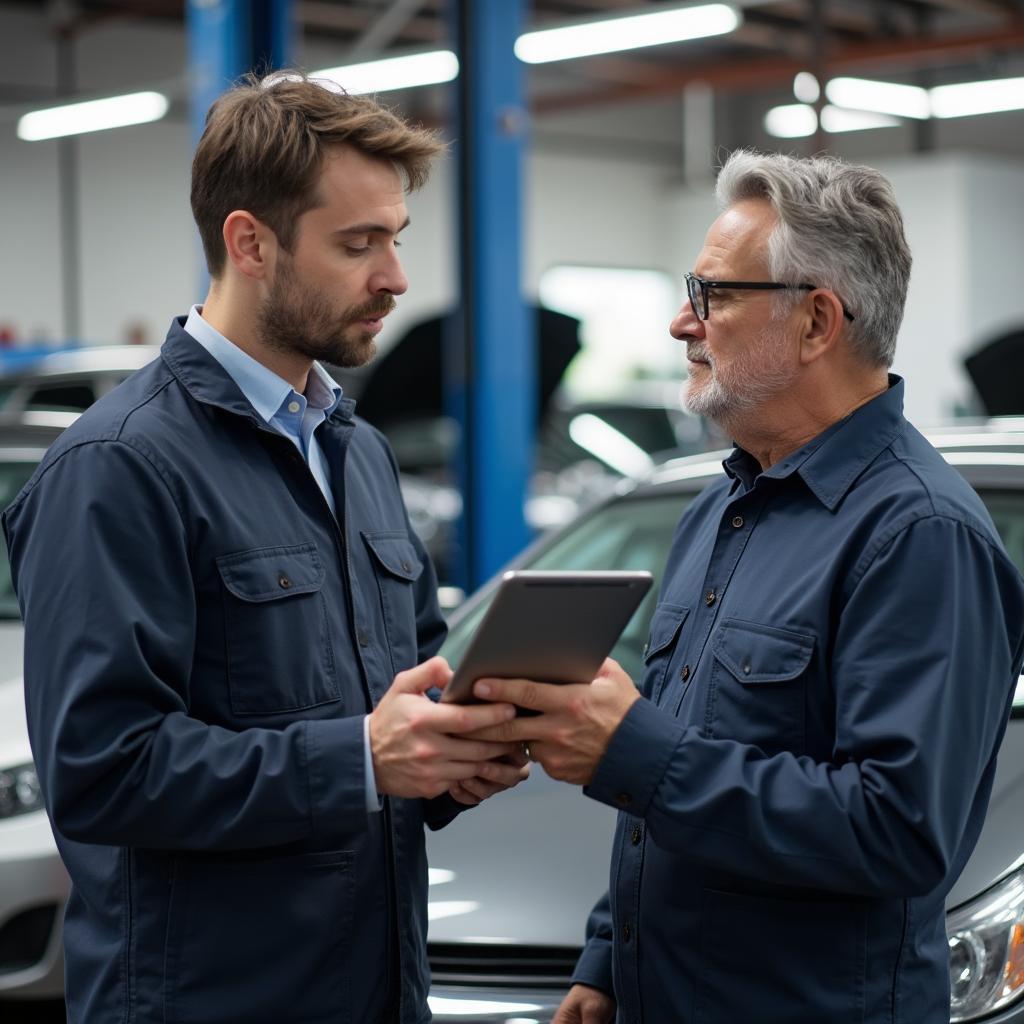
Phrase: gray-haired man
(806, 767)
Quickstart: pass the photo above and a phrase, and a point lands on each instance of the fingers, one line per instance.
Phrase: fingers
(458, 791)
(493, 777)
(431, 673)
(503, 776)
(458, 749)
(525, 693)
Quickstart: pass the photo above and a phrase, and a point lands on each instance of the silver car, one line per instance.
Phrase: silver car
(513, 881)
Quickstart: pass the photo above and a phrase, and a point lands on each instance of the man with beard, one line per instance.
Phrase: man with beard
(230, 625)
(805, 769)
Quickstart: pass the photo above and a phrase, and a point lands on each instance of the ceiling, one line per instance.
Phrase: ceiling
(926, 42)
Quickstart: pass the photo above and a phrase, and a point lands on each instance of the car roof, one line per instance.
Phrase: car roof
(86, 360)
(995, 443)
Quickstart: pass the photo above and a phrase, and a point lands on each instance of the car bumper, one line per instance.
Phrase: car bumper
(33, 889)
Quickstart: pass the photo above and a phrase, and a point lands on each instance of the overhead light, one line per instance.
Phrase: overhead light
(806, 88)
(879, 97)
(971, 98)
(791, 121)
(407, 72)
(631, 32)
(92, 116)
(798, 120)
(840, 119)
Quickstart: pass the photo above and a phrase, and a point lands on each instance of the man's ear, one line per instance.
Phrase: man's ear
(251, 245)
(822, 324)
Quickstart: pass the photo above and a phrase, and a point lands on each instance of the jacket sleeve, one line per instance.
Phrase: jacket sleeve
(100, 560)
(594, 966)
(918, 721)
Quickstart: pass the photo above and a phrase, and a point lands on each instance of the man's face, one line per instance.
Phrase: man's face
(740, 357)
(329, 295)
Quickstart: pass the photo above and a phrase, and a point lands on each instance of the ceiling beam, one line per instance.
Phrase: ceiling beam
(734, 75)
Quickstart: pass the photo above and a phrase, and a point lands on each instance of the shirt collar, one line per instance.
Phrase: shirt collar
(263, 388)
(830, 462)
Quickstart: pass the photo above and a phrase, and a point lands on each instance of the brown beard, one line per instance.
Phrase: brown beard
(296, 320)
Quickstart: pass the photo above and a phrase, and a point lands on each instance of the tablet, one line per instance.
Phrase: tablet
(554, 627)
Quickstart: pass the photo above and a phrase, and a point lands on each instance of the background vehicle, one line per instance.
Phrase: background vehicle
(70, 381)
(512, 885)
(33, 883)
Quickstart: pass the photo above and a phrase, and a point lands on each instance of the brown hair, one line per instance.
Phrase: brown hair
(264, 144)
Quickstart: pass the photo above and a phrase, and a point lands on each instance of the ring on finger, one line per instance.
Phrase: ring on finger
(526, 751)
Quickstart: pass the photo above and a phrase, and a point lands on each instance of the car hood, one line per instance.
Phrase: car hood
(14, 747)
(1001, 844)
(524, 868)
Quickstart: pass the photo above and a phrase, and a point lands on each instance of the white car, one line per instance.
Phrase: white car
(33, 883)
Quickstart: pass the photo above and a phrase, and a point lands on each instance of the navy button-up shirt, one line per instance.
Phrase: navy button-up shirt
(827, 680)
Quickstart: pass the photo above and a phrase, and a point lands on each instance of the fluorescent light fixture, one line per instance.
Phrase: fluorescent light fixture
(92, 116)
(798, 120)
(970, 98)
(879, 97)
(626, 33)
(806, 88)
(611, 446)
(792, 121)
(439, 876)
(407, 72)
(840, 119)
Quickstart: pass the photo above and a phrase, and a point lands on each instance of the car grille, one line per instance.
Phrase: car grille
(457, 963)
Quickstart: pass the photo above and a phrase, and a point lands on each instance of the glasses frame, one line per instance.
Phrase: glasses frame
(702, 300)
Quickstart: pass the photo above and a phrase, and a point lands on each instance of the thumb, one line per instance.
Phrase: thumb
(434, 672)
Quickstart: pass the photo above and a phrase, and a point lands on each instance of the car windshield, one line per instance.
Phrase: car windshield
(635, 534)
(13, 476)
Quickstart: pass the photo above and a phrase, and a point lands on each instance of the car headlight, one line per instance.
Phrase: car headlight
(19, 791)
(986, 950)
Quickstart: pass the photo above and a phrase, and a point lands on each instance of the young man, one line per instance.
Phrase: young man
(230, 623)
(831, 663)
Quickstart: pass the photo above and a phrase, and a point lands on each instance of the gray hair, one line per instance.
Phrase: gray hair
(838, 228)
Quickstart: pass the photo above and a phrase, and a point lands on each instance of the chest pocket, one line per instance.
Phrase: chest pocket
(277, 644)
(666, 623)
(758, 684)
(397, 566)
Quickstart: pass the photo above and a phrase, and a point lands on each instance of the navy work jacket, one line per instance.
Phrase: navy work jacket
(202, 641)
(828, 677)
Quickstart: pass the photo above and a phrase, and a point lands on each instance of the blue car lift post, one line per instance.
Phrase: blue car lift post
(489, 358)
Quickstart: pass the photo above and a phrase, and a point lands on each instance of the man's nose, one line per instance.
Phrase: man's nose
(686, 324)
(389, 276)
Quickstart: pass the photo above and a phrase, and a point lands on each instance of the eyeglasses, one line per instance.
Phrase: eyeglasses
(699, 291)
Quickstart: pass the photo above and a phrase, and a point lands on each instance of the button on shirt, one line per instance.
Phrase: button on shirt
(828, 678)
(296, 417)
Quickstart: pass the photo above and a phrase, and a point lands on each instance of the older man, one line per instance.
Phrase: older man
(807, 765)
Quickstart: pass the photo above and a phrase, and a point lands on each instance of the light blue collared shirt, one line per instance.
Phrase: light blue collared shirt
(296, 417)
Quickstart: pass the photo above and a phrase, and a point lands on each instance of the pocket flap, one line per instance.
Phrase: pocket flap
(761, 654)
(267, 574)
(396, 554)
(665, 625)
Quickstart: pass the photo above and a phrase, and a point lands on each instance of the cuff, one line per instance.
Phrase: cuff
(336, 770)
(635, 761)
(594, 967)
(373, 801)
